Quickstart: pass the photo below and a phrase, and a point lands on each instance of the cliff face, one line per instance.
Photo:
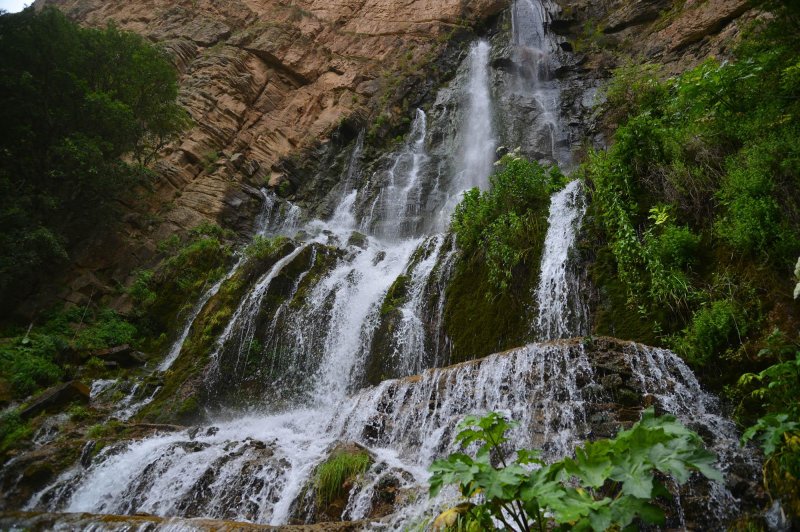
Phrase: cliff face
(264, 80)
(261, 79)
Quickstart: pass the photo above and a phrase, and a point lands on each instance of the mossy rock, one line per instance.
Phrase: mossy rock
(184, 379)
(479, 322)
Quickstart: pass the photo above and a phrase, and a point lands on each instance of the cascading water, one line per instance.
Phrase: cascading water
(562, 311)
(533, 91)
(477, 139)
(303, 333)
(551, 388)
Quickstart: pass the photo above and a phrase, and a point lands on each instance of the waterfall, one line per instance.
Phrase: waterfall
(562, 311)
(410, 350)
(552, 389)
(298, 342)
(478, 145)
(477, 142)
(534, 92)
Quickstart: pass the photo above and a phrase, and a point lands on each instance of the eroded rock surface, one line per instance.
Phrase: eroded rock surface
(261, 79)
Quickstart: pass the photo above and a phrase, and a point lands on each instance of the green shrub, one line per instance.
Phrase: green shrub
(12, 430)
(263, 247)
(505, 225)
(677, 247)
(78, 413)
(332, 474)
(713, 330)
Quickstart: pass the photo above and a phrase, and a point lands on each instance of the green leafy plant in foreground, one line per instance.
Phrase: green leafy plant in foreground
(608, 483)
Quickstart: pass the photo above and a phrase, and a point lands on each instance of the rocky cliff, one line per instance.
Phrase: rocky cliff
(277, 88)
(261, 80)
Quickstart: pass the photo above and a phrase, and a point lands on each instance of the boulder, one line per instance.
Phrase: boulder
(124, 355)
(56, 398)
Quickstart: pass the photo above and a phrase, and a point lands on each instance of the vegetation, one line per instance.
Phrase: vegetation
(695, 227)
(609, 484)
(31, 359)
(163, 296)
(775, 391)
(504, 226)
(695, 219)
(500, 233)
(84, 112)
(341, 468)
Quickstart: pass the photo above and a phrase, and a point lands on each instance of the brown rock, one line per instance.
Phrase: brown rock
(124, 355)
(56, 398)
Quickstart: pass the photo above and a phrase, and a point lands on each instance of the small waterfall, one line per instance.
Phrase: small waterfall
(533, 91)
(409, 337)
(562, 311)
(353, 164)
(395, 212)
(238, 334)
(477, 143)
(261, 226)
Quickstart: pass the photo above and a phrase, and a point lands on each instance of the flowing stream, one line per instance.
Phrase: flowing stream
(301, 339)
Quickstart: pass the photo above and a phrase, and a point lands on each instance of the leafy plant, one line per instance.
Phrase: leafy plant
(778, 432)
(505, 225)
(608, 484)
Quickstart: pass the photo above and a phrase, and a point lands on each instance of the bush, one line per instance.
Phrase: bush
(12, 430)
(607, 485)
(263, 247)
(713, 330)
(505, 225)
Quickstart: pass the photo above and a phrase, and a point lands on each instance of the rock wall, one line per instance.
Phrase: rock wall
(262, 80)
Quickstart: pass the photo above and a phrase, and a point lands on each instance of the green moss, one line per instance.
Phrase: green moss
(180, 382)
(340, 469)
(396, 295)
(478, 325)
(13, 430)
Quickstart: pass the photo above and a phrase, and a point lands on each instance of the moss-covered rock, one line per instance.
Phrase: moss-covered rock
(184, 379)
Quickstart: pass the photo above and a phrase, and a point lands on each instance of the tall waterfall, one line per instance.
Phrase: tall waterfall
(300, 339)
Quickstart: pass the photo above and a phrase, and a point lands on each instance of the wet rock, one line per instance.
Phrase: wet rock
(56, 398)
(357, 239)
(15, 520)
(124, 355)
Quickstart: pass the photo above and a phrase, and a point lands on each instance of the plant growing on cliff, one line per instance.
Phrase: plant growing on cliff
(608, 483)
(505, 225)
(714, 150)
(776, 389)
(84, 111)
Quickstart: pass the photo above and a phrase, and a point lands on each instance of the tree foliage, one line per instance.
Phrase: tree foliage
(607, 484)
(83, 111)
